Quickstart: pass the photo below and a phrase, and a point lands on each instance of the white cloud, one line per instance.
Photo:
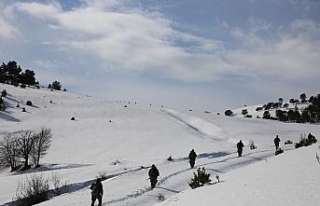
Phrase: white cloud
(7, 30)
(289, 55)
(39, 10)
(133, 40)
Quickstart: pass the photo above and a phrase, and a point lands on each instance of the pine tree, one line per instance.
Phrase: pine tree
(200, 179)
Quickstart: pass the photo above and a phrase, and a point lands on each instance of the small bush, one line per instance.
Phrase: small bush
(244, 112)
(170, 159)
(115, 162)
(266, 115)
(59, 187)
(4, 93)
(288, 142)
(29, 103)
(200, 179)
(259, 109)
(160, 197)
(32, 191)
(305, 141)
(278, 151)
(228, 112)
(251, 145)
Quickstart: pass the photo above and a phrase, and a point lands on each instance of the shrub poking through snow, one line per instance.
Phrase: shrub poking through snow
(160, 197)
(288, 142)
(278, 151)
(305, 141)
(251, 145)
(244, 112)
(32, 191)
(4, 93)
(200, 179)
(59, 187)
(228, 113)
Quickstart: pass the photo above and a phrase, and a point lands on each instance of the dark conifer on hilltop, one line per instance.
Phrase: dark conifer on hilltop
(12, 73)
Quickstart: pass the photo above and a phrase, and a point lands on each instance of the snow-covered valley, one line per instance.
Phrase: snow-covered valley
(121, 141)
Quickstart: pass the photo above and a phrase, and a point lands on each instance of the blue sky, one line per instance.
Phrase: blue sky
(203, 55)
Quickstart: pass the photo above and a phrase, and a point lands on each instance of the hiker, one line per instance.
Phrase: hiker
(277, 142)
(192, 158)
(240, 148)
(97, 192)
(153, 175)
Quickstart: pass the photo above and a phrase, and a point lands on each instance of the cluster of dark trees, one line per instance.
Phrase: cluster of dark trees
(18, 149)
(11, 73)
(308, 110)
(309, 113)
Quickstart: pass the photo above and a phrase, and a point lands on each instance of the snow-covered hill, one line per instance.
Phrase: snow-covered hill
(122, 142)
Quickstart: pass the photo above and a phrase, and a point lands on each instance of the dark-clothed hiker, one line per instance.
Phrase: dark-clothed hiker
(97, 192)
(153, 175)
(277, 142)
(240, 148)
(192, 158)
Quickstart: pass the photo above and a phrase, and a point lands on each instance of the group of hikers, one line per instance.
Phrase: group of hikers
(97, 188)
(154, 172)
(240, 145)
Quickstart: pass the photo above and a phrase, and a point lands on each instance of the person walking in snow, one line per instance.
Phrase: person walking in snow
(277, 142)
(153, 175)
(240, 148)
(192, 158)
(96, 192)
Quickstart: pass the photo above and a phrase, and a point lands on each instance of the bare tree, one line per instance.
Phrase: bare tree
(25, 144)
(9, 152)
(42, 142)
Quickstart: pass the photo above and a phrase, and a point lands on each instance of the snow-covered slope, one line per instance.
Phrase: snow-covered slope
(289, 179)
(122, 142)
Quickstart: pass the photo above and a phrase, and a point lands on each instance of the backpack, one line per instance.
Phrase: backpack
(94, 188)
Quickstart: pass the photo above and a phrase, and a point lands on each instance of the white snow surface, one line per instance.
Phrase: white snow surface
(122, 142)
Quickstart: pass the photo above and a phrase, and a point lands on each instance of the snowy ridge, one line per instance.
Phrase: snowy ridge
(202, 126)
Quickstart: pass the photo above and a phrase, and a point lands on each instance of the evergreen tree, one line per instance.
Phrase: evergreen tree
(200, 179)
(56, 85)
